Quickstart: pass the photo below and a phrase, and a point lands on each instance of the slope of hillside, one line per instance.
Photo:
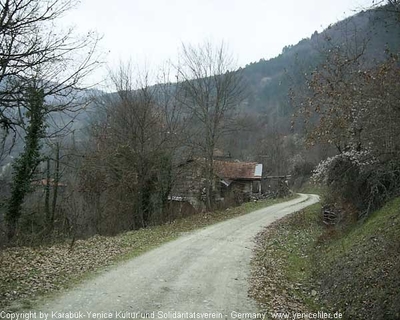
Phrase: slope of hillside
(300, 265)
(271, 79)
(359, 272)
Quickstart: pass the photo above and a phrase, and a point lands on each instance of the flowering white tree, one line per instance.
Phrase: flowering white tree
(355, 107)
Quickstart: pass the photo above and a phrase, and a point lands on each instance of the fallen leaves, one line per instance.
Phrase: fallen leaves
(279, 282)
(356, 274)
(26, 272)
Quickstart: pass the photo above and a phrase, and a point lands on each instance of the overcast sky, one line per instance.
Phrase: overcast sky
(148, 32)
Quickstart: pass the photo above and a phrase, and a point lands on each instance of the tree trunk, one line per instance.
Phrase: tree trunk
(27, 162)
(47, 195)
(55, 186)
(210, 178)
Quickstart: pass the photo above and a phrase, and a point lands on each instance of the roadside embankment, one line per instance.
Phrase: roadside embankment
(301, 265)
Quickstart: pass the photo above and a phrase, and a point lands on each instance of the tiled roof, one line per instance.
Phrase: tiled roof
(238, 170)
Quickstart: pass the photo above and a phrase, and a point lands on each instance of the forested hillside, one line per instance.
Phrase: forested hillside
(271, 79)
(278, 87)
(115, 157)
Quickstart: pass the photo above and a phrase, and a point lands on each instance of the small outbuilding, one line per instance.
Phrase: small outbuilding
(244, 177)
(234, 182)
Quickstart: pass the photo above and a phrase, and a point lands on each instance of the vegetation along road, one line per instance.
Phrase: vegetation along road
(203, 271)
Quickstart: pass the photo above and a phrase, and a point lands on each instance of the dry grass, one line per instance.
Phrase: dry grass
(281, 268)
(27, 273)
(300, 265)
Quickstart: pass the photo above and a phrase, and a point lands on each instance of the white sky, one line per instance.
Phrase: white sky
(149, 32)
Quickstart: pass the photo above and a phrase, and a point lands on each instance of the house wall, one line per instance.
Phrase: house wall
(188, 185)
(188, 181)
(256, 187)
(180, 209)
(274, 184)
(237, 192)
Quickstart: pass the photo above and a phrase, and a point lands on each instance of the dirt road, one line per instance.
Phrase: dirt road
(201, 272)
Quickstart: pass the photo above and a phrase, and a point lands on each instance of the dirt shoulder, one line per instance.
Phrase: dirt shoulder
(203, 271)
(27, 273)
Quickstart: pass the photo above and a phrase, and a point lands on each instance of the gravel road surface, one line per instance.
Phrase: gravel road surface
(199, 275)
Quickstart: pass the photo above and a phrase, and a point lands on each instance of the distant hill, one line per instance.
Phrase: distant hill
(271, 79)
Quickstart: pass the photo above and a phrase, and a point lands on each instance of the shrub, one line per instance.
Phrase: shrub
(360, 180)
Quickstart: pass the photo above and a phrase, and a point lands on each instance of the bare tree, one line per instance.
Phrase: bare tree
(332, 83)
(387, 5)
(130, 171)
(354, 105)
(32, 47)
(37, 57)
(210, 90)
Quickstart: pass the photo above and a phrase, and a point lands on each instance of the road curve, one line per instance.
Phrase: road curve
(203, 271)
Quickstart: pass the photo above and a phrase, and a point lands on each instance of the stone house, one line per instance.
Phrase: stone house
(234, 182)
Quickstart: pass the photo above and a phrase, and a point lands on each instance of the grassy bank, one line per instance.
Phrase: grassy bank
(300, 265)
(28, 273)
(281, 268)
